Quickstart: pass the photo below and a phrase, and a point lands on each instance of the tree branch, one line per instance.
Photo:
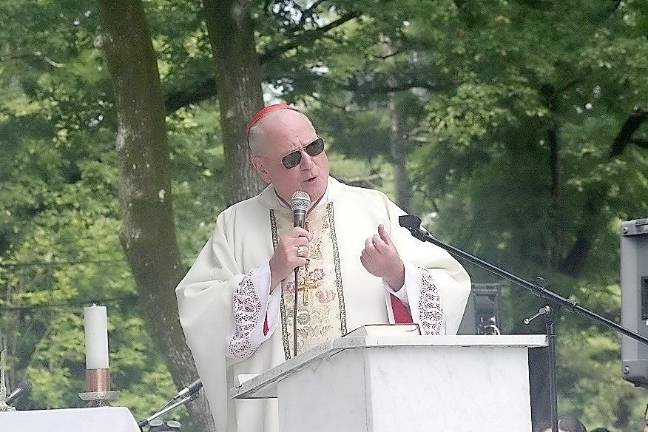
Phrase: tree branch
(307, 36)
(630, 126)
(371, 181)
(192, 95)
(207, 88)
(37, 54)
(385, 86)
(386, 56)
(308, 13)
(640, 143)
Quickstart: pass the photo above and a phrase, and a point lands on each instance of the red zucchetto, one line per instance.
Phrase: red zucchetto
(263, 112)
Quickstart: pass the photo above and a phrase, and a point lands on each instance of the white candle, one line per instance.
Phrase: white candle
(96, 337)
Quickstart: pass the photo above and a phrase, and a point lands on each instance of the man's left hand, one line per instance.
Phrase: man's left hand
(381, 259)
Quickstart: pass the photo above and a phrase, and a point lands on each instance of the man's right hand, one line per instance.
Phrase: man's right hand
(285, 258)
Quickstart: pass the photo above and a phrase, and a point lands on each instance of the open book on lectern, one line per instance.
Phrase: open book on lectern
(386, 330)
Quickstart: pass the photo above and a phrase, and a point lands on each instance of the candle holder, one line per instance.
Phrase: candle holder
(98, 392)
(95, 323)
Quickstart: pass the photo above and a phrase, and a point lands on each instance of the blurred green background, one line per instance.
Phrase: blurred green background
(516, 129)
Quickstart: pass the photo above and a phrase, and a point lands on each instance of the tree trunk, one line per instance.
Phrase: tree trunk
(238, 83)
(554, 253)
(554, 167)
(399, 157)
(148, 232)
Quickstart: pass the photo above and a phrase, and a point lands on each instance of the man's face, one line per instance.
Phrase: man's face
(284, 132)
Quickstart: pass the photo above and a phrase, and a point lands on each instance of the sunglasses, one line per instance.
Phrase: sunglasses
(292, 159)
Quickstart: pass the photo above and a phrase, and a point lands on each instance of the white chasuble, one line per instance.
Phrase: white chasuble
(235, 324)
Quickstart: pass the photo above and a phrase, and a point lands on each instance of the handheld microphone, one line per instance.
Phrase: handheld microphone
(299, 203)
(20, 390)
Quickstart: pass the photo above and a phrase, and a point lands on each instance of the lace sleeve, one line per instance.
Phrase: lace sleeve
(429, 305)
(246, 311)
(252, 306)
(419, 300)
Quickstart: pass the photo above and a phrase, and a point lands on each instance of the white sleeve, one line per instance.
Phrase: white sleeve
(410, 278)
(218, 273)
(252, 304)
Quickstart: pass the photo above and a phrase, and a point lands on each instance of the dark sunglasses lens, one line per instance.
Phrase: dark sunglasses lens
(291, 160)
(315, 148)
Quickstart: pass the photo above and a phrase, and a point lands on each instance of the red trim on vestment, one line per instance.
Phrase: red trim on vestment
(401, 314)
(265, 326)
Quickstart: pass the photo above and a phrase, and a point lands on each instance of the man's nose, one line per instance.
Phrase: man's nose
(306, 161)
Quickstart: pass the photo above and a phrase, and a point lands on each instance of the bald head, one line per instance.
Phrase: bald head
(276, 126)
(279, 134)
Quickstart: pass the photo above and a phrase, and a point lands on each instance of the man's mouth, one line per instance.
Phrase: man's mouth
(312, 179)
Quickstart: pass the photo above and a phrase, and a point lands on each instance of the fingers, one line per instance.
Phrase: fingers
(299, 262)
(299, 232)
(382, 232)
(380, 244)
(375, 244)
(369, 246)
(291, 252)
(301, 241)
(303, 251)
(363, 261)
(294, 237)
(299, 248)
(379, 255)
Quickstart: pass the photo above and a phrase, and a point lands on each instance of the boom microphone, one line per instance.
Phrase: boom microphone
(21, 389)
(190, 389)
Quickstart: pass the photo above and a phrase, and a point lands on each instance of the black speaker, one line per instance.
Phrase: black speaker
(634, 299)
(482, 310)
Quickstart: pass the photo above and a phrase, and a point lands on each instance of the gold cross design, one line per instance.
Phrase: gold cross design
(306, 283)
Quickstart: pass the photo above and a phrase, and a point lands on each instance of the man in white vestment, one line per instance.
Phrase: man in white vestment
(355, 266)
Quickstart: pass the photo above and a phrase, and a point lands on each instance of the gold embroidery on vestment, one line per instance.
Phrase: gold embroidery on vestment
(319, 317)
(282, 307)
(338, 274)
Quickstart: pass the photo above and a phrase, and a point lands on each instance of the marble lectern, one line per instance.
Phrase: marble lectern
(402, 383)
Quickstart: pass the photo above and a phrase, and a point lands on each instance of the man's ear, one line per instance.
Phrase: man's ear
(260, 168)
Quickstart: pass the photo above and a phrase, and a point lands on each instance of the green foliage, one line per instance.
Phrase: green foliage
(483, 92)
(59, 216)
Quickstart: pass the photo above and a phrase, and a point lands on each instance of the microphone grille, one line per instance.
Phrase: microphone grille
(300, 200)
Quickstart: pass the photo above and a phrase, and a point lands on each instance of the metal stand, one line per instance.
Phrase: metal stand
(295, 312)
(98, 386)
(547, 314)
(165, 409)
(98, 399)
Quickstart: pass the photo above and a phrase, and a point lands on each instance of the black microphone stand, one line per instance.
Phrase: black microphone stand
(413, 225)
(547, 313)
(192, 394)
